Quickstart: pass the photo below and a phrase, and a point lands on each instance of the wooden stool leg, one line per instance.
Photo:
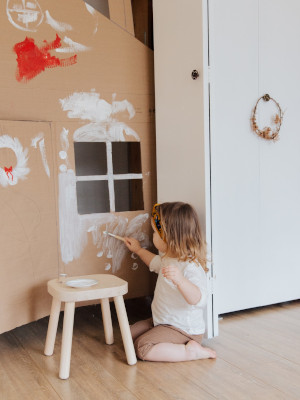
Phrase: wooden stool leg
(52, 327)
(66, 346)
(107, 324)
(125, 330)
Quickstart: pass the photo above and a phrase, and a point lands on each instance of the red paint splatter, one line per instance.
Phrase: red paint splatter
(8, 172)
(32, 60)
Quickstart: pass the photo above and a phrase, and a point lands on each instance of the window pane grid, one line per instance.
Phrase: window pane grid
(112, 180)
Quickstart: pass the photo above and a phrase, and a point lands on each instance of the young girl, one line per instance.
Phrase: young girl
(176, 330)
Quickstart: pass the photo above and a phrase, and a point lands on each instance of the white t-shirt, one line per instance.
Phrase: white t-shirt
(169, 306)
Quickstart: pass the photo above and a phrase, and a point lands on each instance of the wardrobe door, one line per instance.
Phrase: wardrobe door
(255, 182)
(279, 66)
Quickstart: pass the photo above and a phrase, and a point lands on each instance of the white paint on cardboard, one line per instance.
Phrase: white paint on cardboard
(73, 47)
(63, 168)
(101, 131)
(44, 156)
(36, 139)
(26, 16)
(10, 175)
(57, 26)
(92, 11)
(74, 227)
(39, 139)
(89, 106)
(64, 139)
(62, 155)
(103, 125)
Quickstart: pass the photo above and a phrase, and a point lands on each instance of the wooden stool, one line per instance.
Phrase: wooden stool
(107, 286)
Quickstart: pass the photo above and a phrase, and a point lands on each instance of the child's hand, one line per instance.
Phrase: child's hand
(132, 244)
(172, 273)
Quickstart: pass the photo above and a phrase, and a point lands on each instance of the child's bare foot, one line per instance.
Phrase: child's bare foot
(198, 352)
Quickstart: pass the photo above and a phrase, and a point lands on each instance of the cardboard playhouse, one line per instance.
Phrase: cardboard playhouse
(77, 148)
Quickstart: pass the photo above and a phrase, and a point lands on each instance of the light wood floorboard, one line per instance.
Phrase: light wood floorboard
(258, 358)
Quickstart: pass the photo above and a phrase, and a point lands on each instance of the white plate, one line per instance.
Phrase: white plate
(81, 283)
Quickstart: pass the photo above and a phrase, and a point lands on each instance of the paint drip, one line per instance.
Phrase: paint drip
(135, 266)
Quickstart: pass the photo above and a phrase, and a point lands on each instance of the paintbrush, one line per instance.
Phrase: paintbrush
(113, 235)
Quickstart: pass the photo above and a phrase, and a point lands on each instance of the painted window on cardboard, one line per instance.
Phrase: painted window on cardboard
(108, 177)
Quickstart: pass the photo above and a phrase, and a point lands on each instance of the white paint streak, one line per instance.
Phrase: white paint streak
(119, 106)
(134, 256)
(135, 229)
(64, 139)
(107, 267)
(72, 238)
(90, 9)
(101, 132)
(44, 157)
(39, 140)
(73, 227)
(100, 254)
(110, 179)
(35, 140)
(57, 26)
(109, 255)
(120, 226)
(135, 266)
(72, 46)
(87, 106)
(104, 126)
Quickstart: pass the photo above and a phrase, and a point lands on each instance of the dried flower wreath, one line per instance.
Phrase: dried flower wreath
(267, 132)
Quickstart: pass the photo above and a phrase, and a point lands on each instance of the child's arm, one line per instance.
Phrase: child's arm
(134, 246)
(189, 291)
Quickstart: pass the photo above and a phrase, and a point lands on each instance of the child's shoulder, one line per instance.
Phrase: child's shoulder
(194, 267)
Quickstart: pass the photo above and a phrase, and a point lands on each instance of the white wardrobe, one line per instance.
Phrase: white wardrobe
(245, 188)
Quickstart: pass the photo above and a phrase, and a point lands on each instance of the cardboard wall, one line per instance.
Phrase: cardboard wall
(67, 73)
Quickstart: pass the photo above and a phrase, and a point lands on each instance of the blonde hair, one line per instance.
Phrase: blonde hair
(182, 233)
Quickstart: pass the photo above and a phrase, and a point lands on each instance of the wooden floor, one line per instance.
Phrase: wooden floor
(258, 358)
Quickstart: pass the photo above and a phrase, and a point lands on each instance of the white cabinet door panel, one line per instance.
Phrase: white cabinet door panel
(255, 183)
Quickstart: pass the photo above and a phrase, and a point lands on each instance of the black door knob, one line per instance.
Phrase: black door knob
(195, 74)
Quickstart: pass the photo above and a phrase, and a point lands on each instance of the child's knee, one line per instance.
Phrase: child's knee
(142, 346)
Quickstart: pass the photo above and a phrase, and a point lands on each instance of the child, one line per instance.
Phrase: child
(176, 330)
